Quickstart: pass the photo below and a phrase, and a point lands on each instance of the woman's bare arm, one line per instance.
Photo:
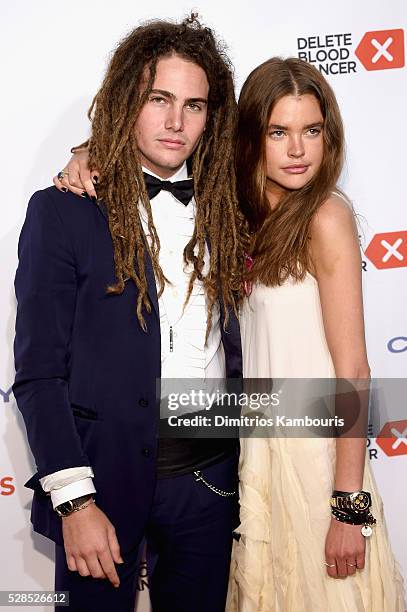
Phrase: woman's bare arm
(337, 266)
(337, 263)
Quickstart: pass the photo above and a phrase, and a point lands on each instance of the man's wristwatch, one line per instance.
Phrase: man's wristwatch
(358, 502)
(73, 505)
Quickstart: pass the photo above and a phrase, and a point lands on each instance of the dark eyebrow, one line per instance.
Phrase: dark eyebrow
(169, 94)
(166, 94)
(273, 126)
(193, 100)
(319, 124)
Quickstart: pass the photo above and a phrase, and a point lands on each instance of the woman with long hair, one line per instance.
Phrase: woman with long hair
(308, 504)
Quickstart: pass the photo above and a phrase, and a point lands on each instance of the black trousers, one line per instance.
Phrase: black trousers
(189, 541)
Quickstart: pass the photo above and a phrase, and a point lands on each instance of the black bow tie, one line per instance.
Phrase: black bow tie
(182, 190)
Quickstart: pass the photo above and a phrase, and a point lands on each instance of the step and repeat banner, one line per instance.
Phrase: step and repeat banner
(53, 60)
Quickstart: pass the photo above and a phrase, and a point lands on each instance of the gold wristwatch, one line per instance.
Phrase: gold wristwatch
(358, 502)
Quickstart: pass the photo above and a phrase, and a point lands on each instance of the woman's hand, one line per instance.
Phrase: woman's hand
(344, 549)
(78, 178)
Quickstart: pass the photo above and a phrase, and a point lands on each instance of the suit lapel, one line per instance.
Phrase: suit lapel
(148, 266)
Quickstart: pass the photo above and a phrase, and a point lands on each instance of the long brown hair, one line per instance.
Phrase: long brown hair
(113, 150)
(280, 236)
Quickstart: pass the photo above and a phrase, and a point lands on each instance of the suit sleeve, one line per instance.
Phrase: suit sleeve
(46, 288)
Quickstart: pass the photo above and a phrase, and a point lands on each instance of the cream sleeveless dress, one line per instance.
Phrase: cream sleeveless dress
(286, 483)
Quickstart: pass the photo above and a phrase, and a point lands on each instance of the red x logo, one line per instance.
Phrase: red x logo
(393, 438)
(388, 250)
(381, 50)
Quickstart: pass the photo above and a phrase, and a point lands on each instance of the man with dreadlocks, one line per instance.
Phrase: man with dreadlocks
(116, 293)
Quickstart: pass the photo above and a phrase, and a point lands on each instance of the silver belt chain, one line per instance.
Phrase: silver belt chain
(199, 476)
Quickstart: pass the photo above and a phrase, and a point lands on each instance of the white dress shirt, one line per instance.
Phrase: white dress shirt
(189, 357)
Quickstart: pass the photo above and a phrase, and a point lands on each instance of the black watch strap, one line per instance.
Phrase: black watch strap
(67, 507)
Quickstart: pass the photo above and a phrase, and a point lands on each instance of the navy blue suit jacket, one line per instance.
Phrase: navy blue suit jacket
(85, 370)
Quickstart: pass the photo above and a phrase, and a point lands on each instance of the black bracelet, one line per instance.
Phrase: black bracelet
(343, 517)
(352, 519)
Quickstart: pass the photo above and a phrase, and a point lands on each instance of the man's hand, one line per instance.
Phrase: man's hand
(91, 544)
(78, 178)
(344, 549)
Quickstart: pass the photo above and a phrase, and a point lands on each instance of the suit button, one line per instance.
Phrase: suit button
(146, 452)
(143, 402)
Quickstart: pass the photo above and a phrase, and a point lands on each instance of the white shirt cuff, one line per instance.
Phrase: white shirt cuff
(71, 491)
(59, 479)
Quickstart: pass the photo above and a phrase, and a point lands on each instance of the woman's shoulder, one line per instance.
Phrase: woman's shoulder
(333, 234)
(334, 216)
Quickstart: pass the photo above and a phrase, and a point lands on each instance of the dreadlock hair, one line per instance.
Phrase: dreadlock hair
(114, 152)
